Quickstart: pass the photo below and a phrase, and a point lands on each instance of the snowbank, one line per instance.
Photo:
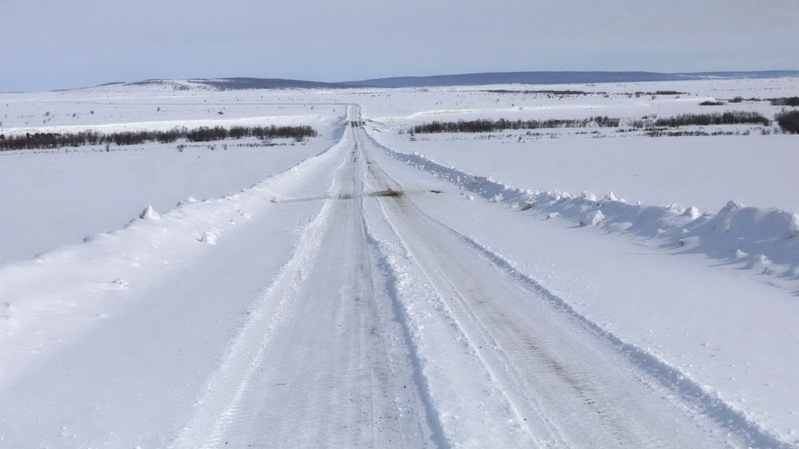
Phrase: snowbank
(755, 238)
(73, 286)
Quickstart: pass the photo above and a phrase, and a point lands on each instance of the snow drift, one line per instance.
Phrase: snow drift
(764, 239)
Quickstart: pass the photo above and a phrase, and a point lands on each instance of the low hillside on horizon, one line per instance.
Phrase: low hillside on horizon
(470, 79)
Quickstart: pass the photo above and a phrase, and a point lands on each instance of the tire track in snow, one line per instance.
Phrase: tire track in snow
(664, 378)
(219, 407)
(540, 432)
(336, 374)
(708, 404)
(401, 316)
(551, 365)
(439, 346)
(320, 362)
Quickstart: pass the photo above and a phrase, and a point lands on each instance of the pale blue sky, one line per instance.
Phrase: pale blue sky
(53, 44)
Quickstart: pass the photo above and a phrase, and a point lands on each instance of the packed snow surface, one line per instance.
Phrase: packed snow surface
(566, 287)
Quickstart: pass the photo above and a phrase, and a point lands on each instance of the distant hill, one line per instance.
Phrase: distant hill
(265, 83)
(235, 83)
(740, 75)
(476, 79)
(469, 79)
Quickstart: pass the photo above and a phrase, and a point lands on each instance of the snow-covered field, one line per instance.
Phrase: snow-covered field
(563, 287)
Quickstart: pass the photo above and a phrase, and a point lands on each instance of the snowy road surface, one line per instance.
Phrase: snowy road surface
(372, 325)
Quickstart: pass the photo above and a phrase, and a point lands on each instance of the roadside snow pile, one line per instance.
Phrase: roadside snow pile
(72, 286)
(149, 214)
(756, 238)
(209, 237)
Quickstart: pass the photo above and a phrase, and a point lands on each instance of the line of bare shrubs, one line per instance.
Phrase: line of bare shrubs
(782, 101)
(785, 101)
(789, 121)
(203, 134)
(544, 91)
(726, 118)
(484, 125)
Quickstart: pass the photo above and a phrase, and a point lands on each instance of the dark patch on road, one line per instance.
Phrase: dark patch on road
(342, 196)
(388, 193)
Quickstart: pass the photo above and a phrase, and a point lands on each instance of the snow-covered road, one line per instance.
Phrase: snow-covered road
(370, 324)
(322, 360)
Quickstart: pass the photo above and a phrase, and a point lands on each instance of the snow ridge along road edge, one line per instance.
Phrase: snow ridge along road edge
(685, 389)
(766, 240)
(114, 264)
(218, 408)
(708, 403)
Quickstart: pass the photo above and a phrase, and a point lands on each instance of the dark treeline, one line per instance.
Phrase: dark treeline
(482, 126)
(547, 92)
(204, 134)
(789, 121)
(262, 132)
(785, 101)
(666, 133)
(658, 92)
(726, 118)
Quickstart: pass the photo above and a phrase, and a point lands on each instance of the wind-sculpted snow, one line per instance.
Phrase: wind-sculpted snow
(756, 238)
(709, 403)
(78, 290)
(473, 301)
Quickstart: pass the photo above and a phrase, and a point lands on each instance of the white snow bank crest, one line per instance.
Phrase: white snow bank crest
(763, 239)
(209, 238)
(593, 218)
(149, 214)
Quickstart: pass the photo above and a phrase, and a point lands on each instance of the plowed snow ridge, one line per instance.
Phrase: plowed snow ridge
(755, 238)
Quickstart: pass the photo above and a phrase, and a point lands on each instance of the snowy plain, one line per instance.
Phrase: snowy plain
(130, 338)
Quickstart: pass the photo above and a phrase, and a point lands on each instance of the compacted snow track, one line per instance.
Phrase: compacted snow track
(322, 362)
(562, 381)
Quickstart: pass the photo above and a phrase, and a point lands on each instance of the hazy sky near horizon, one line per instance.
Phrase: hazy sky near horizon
(55, 44)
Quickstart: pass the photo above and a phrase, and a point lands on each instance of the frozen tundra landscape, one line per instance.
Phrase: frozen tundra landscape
(559, 286)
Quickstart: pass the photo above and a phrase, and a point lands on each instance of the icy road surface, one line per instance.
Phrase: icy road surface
(374, 325)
